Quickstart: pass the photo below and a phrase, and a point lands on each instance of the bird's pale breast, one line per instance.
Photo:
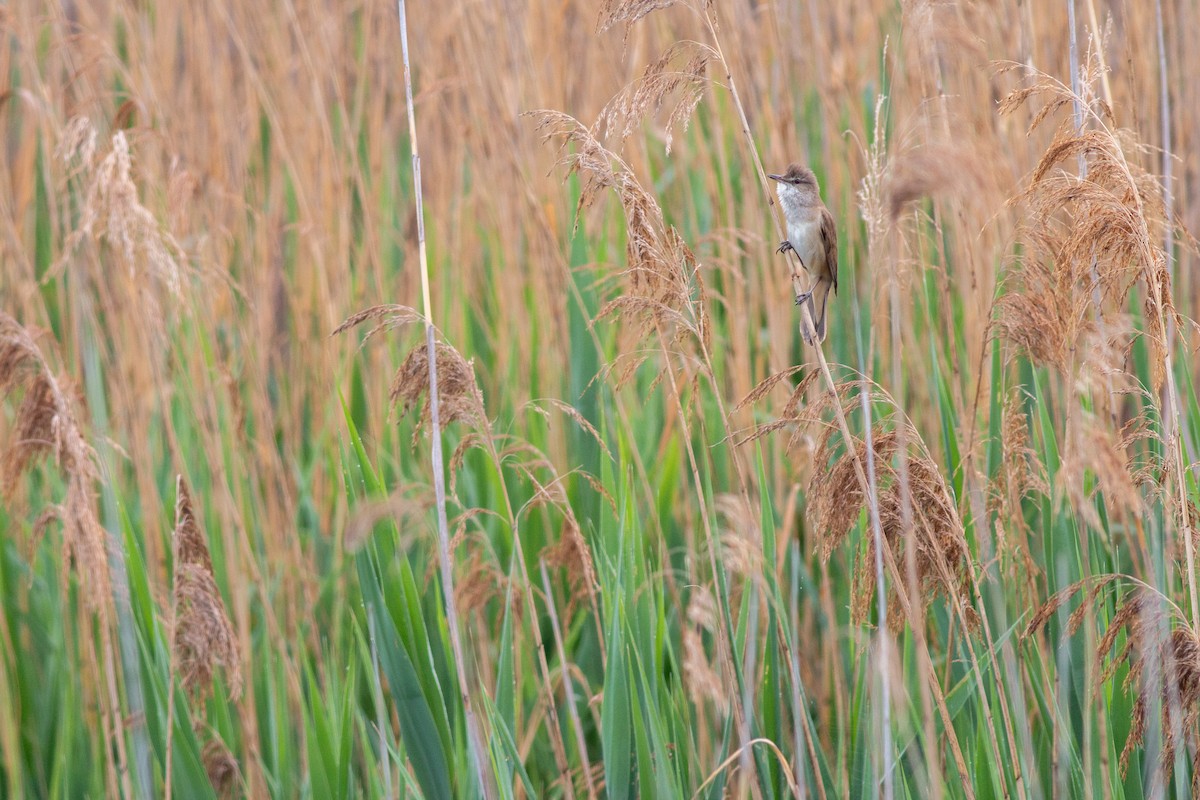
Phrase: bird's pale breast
(805, 237)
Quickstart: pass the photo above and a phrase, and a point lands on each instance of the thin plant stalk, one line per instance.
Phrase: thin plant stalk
(439, 478)
(807, 323)
(568, 686)
(381, 719)
(885, 691)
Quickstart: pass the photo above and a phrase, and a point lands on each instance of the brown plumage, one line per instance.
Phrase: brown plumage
(812, 235)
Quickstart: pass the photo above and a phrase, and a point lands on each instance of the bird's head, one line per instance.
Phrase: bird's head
(798, 185)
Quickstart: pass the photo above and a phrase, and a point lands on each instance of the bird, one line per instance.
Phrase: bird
(812, 236)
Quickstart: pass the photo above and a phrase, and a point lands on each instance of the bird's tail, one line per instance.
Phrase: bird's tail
(820, 295)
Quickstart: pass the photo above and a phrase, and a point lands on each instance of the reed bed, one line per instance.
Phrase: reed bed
(951, 554)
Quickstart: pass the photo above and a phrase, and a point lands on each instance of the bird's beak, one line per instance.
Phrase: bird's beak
(775, 177)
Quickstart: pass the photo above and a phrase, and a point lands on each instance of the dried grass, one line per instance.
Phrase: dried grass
(407, 508)
(1020, 475)
(459, 397)
(628, 12)
(1091, 447)
(836, 500)
(571, 552)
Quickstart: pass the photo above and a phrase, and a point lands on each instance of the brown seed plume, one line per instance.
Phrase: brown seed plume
(458, 394)
(836, 500)
(663, 291)
(1161, 651)
(222, 770)
(204, 637)
(45, 426)
(1091, 236)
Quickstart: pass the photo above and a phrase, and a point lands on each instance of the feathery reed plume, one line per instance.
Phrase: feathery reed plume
(403, 506)
(741, 536)
(45, 425)
(571, 553)
(1020, 475)
(386, 318)
(679, 71)
(663, 288)
(628, 12)
(1161, 650)
(702, 678)
(836, 498)
(1092, 235)
(939, 166)
(222, 770)
(1092, 446)
(482, 583)
(459, 397)
(203, 638)
(1043, 315)
(112, 212)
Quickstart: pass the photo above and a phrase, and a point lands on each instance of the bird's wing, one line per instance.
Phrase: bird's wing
(829, 240)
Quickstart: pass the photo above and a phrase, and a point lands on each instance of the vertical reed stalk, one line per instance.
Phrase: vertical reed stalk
(568, 686)
(808, 324)
(445, 557)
